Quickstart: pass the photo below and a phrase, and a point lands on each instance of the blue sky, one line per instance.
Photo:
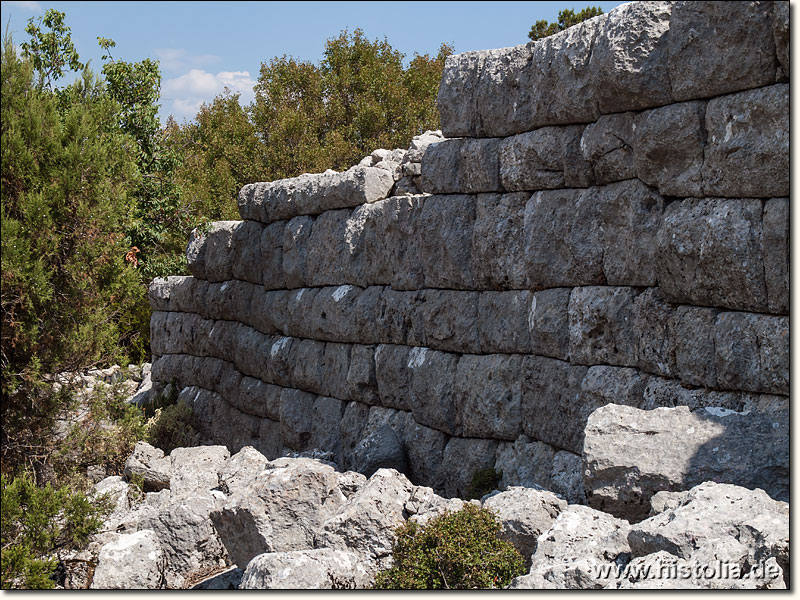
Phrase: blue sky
(204, 46)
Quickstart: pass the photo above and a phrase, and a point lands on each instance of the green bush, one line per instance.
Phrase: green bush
(458, 550)
(37, 522)
(173, 427)
(483, 481)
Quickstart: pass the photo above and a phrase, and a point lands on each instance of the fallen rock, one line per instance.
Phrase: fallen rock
(321, 568)
(150, 464)
(196, 469)
(132, 561)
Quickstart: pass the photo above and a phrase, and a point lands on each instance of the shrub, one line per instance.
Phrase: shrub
(458, 550)
(173, 427)
(483, 481)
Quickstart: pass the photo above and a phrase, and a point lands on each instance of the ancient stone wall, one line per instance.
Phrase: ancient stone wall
(605, 221)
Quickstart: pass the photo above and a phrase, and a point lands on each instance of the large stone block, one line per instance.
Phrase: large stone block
(400, 318)
(308, 373)
(268, 311)
(503, 322)
(402, 216)
(717, 48)
(245, 256)
(175, 293)
(336, 367)
(748, 144)
(551, 404)
(332, 315)
(351, 431)
(301, 318)
(424, 452)
(393, 376)
(455, 99)
(365, 248)
(433, 382)
(669, 393)
(694, 345)
(607, 145)
(628, 65)
(295, 251)
(654, 330)
(548, 323)
(223, 338)
(368, 309)
(229, 300)
(335, 256)
(281, 360)
(259, 399)
(776, 253)
(446, 230)
(461, 458)
(541, 159)
(462, 166)
(631, 454)
(525, 462)
(451, 320)
(489, 390)
(209, 253)
(327, 416)
(752, 352)
(252, 348)
(780, 18)
(668, 148)
(631, 215)
(362, 382)
(498, 245)
(564, 239)
(272, 276)
(710, 252)
(297, 418)
(601, 326)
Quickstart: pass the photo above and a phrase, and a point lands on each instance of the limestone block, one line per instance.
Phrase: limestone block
(715, 49)
(281, 360)
(269, 313)
(564, 238)
(381, 448)
(365, 246)
(668, 148)
(748, 144)
(362, 382)
(351, 431)
(259, 399)
(272, 275)
(551, 403)
(548, 322)
(301, 318)
(393, 376)
(601, 326)
(316, 569)
(446, 230)
(694, 345)
(710, 252)
(567, 477)
(252, 348)
(270, 442)
(196, 470)
(668, 393)
(368, 313)
(332, 315)
(336, 251)
(134, 560)
(607, 145)
(229, 300)
(451, 320)
(335, 370)
(461, 458)
(503, 322)
(213, 261)
(462, 166)
(296, 238)
(540, 159)
(308, 374)
(780, 19)
(489, 390)
(455, 99)
(433, 397)
(631, 454)
(401, 216)
(629, 59)
(245, 255)
(654, 323)
(776, 253)
(326, 418)
(297, 418)
(424, 453)
(498, 245)
(525, 462)
(752, 352)
(400, 318)
(176, 293)
(631, 215)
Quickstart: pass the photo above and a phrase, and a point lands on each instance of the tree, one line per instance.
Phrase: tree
(566, 18)
(51, 51)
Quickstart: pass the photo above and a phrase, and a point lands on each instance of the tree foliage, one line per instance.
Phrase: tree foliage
(566, 18)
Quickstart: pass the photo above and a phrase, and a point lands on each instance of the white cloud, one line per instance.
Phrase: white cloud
(183, 95)
(178, 59)
(32, 6)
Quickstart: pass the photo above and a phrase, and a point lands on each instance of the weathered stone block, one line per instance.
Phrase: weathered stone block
(333, 257)
(752, 352)
(601, 326)
(747, 154)
(308, 374)
(351, 431)
(489, 390)
(498, 246)
(564, 238)
(607, 145)
(297, 418)
(780, 19)
(362, 382)
(332, 316)
(245, 258)
(551, 406)
(402, 217)
(461, 458)
(213, 260)
(451, 320)
(446, 230)
(175, 293)
(222, 338)
(259, 399)
(567, 477)
(327, 416)
(393, 376)
(538, 160)
(776, 253)
(628, 65)
(715, 49)
(270, 311)
(455, 99)
(548, 322)
(710, 252)
(654, 330)
(400, 318)
(280, 364)
(524, 462)
(368, 312)
(365, 246)
(250, 351)
(270, 443)
(335, 369)
(668, 148)
(694, 345)
(272, 275)
(668, 393)
(462, 166)
(433, 398)
(229, 300)
(502, 322)
(296, 238)
(424, 452)
(300, 318)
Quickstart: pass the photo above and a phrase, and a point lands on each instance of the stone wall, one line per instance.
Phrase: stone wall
(605, 221)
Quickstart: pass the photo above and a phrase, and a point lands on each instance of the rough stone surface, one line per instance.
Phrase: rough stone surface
(150, 464)
(489, 392)
(461, 166)
(498, 246)
(608, 146)
(380, 449)
(776, 253)
(132, 561)
(461, 458)
(317, 569)
(446, 237)
(601, 326)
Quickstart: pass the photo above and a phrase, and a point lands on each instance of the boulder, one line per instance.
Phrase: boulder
(630, 454)
(132, 561)
(196, 470)
(150, 464)
(382, 448)
(317, 569)
(238, 471)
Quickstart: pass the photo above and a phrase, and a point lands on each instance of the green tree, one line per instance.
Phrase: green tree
(51, 52)
(566, 18)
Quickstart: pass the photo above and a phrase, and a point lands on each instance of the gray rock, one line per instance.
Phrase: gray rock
(399, 318)
(317, 569)
(498, 243)
(694, 346)
(716, 49)
(246, 255)
(425, 453)
(332, 316)
(326, 417)
(710, 252)
(630, 454)
(297, 418)
(525, 462)
(503, 321)
(132, 561)
(525, 514)
(196, 470)
(446, 230)
(461, 458)
(455, 98)
(748, 144)
(393, 376)
(150, 464)
(548, 323)
(209, 253)
(668, 148)
(433, 398)
(296, 238)
(537, 160)
(601, 323)
(382, 448)
(664, 501)
(489, 390)
(227, 580)
(308, 374)
(241, 469)
(654, 326)
(780, 19)
(567, 477)
(362, 382)
(776, 253)
(607, 145)
(629, 59)
(351, 431)
(272, 275)
(402, 217)
(451, 321)
(336, 368)
(424, 505)
(462, 166)
(331, 259)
